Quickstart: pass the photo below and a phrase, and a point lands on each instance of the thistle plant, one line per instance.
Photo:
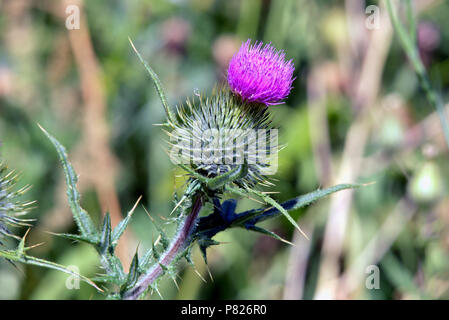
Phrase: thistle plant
(227, 144)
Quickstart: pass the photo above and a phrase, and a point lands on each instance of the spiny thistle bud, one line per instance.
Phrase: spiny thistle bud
(260, 74)
(11, 208)
(217, 134)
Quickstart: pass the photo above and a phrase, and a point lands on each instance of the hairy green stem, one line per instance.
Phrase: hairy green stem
(178, 244)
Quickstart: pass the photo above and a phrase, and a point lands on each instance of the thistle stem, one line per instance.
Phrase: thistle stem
(179, 243)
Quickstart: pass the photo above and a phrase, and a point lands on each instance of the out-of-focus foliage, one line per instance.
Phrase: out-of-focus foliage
(88, 88)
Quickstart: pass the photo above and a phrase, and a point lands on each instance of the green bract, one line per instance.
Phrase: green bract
(217, 134)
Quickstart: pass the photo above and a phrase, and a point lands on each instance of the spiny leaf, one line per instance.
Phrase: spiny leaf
(224, 216)
(311, 197)
(257, 215)
(275, 204)
(105, 240)
(113, 266)
(205, 243)
(304, 200)
(16, 256)
(75, 237)
(120, 228)
(268, 233)
(158, 85)
(270, 201)
(146, 260)
(133, 274)
(82, 219)
(107, 279)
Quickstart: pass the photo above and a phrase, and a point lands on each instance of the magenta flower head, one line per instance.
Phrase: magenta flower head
(260, 74)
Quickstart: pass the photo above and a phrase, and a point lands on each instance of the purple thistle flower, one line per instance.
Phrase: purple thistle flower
(260, 74)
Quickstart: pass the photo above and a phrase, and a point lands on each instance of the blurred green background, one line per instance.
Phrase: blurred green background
(356, 113)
